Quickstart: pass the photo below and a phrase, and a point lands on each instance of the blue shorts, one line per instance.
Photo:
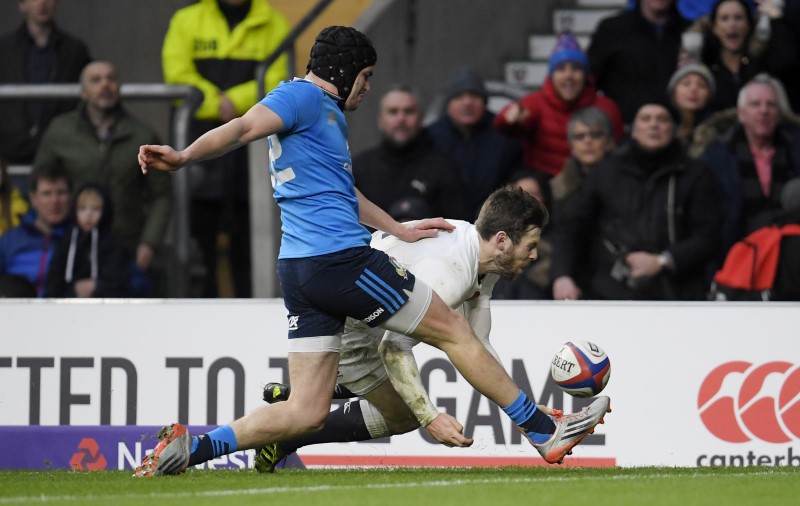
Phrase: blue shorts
(321, 292)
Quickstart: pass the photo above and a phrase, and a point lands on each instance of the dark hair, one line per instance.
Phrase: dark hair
(512, 210)
(49, 172)
(711, 44)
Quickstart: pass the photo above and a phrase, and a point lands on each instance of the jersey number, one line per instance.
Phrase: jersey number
(278, 176)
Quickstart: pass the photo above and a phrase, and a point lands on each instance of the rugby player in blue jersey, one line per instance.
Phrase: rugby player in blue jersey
(326, 267)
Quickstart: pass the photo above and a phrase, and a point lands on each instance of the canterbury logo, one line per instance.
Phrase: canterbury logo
(293, 322)
(739, 402)
(88, 456)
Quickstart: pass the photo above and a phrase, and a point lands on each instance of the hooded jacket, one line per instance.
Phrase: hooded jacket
(544, 132)
(485, 156)
(96, 255)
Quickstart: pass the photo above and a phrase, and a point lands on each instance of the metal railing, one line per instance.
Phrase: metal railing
(192, 97)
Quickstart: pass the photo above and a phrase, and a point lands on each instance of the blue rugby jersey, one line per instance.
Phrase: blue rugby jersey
(312, 174)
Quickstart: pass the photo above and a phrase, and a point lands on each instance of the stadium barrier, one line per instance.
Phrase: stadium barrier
(84, 383)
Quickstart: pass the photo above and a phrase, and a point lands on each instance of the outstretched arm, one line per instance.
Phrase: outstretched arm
(401, 366)
(258, 122)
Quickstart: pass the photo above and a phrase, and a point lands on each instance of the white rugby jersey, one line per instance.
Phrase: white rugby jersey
(448, 263)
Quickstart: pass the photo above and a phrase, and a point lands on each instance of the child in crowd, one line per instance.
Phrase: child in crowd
(89, 261)
(12, 203)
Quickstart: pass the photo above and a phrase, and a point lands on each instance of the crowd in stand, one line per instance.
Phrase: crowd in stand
(668, 140)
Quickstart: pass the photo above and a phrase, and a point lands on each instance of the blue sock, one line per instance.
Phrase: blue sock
(220, 441)
(524, 413)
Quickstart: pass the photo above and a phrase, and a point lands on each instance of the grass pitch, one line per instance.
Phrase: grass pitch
(413, 487)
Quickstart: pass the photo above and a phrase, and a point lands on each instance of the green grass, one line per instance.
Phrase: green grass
(414, 487)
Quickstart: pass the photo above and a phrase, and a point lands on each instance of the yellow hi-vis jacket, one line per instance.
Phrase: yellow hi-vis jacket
(200, 50)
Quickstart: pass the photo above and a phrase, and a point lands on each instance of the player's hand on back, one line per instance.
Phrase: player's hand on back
(448, 431)
(159, 158)
(429, 227)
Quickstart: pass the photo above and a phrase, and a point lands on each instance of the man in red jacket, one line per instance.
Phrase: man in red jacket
(541, 117)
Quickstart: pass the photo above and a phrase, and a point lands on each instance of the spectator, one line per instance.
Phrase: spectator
(534, 282)
(12, 203)
(89, 261)
(651, 214)
(633, 54)
(94, 143)
(465, 133)
(541, 117)
(735, 52)
(215, 45)
(408, 157)
(591, 139)
(690, 91)
(26, 249)
(37, 52)
(754, 158)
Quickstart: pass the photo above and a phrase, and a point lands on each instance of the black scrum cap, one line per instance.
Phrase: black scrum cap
(339, 54)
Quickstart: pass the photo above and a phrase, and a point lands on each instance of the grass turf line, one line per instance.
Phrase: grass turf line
(420, 486)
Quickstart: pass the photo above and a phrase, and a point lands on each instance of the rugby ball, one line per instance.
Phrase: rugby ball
(581, 368)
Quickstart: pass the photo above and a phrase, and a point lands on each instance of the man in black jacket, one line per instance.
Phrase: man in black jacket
(633, 54)
(407, 166)
(651, 215)
(37, 52)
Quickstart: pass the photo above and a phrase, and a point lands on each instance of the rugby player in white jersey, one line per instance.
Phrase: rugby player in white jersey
(462, 267)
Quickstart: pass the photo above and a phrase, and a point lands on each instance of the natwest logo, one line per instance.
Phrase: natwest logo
(88, 456)
(739, 402)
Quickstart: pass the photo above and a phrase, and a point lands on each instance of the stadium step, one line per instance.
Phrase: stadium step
(579, 21)
(527, 74)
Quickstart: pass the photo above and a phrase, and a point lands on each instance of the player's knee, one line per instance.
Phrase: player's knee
(316, 420)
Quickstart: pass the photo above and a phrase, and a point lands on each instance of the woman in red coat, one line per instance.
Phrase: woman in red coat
(541, 117)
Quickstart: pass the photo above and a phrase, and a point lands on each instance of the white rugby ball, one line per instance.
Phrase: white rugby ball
(581, 368)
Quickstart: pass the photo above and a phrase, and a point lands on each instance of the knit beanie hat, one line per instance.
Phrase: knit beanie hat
(692, 67)
(464, 80)
(567, 49)
(338, 55)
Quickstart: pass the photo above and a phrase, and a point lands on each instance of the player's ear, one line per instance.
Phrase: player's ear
(502, 241)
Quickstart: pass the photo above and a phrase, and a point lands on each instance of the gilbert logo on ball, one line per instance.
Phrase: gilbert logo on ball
(581, 368)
